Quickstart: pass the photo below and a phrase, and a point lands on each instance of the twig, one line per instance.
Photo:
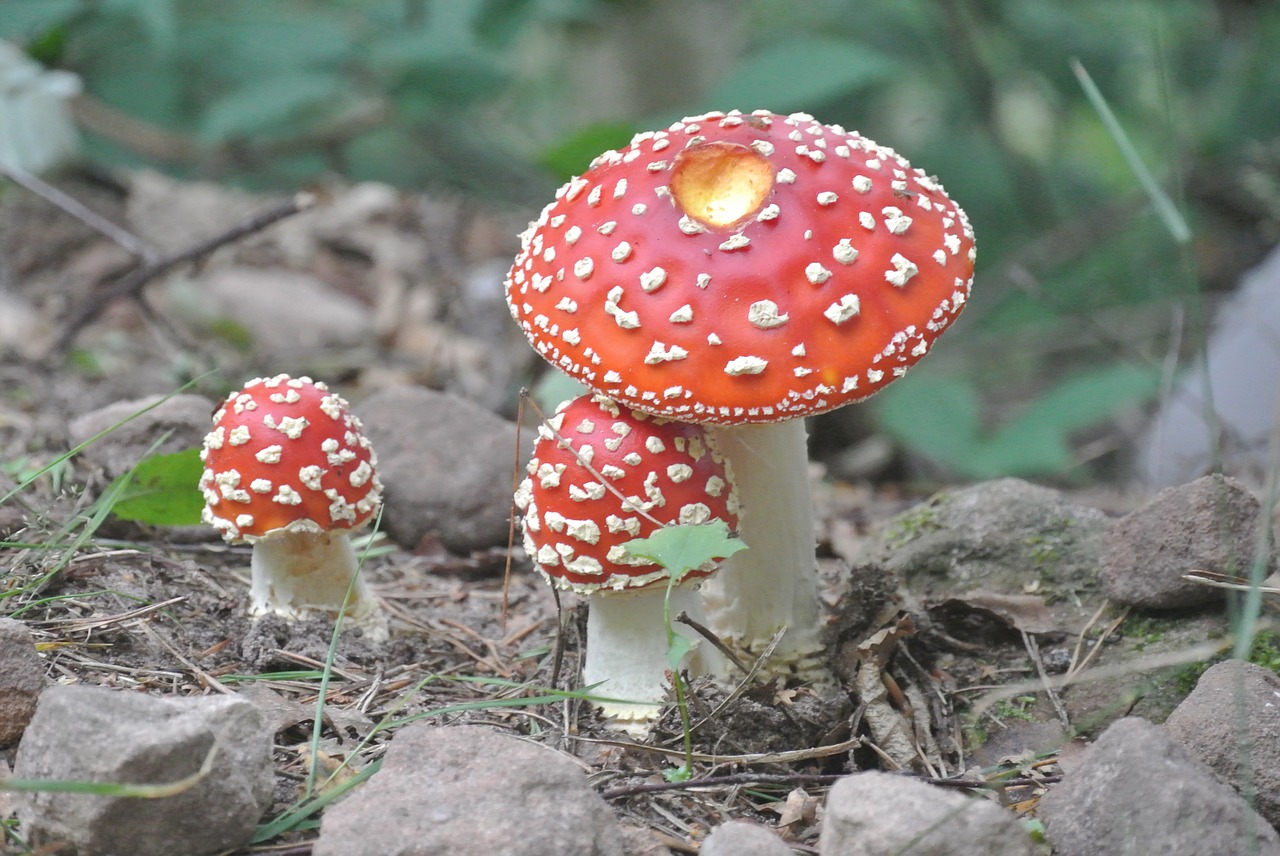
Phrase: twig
(724, 782)
(68, 204)
(76, 625)
(706, 633)
(208, 680)
(131, 284)
(790, 756)
(1194, 654)
(1033, 650)
(747, 681)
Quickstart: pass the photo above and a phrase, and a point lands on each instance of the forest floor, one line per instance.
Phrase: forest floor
(147, 608)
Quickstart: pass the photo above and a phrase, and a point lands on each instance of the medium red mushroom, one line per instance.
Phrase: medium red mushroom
(743, 272)
(288, 470)
(601, 476)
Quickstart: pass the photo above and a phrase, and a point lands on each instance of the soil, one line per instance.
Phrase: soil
(165, 610)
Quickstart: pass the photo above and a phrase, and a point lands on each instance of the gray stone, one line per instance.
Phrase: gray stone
(101, 735)
(1231, 721)
(1209, 524)
(996, 536)
(870, 814)
(186, 418)
(466, 790)
(1137, 792)
(290, 316)
(740, 838)
(1222, 410)
(446, 464)
(22, 679)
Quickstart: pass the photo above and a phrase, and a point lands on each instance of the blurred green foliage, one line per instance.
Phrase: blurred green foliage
(1080, 283)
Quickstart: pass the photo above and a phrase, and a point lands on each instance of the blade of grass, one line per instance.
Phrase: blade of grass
(1165, 209)
(114, 789)
(80, 447)
(306, 808)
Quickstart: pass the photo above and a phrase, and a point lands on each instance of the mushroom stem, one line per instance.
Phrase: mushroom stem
(296, 573)
(775, 582)
(627, 651)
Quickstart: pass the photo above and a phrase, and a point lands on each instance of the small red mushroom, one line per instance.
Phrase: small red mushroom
(601, 476)
(288, 470)
(745, 271)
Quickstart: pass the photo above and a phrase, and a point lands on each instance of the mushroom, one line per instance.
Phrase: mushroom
(744, 271)
(287, 469)
(601, 476)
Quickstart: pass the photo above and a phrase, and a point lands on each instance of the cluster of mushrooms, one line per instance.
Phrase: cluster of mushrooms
(711, 284)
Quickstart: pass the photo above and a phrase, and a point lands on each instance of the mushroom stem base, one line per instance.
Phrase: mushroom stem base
(627, 651)
(298, 574)
(774, 583)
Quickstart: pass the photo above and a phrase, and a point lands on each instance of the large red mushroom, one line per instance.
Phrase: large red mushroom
(289, 470)
(744, 271)
(601, 476)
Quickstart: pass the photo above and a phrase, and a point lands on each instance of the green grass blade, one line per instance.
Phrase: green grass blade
(1165, 209)
(113, 789)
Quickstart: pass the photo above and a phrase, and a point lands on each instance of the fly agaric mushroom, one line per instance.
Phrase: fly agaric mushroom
(601, 476)
(743, 272)
(288, 470)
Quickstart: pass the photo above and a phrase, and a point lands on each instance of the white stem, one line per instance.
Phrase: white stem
(297, 573)
(773, 583)
(627, 650)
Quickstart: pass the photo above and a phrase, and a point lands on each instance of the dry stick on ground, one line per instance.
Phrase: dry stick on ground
(1033, 651)
(70, 205)
(131, 284)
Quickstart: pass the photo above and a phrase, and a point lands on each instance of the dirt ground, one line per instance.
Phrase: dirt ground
(165, 610)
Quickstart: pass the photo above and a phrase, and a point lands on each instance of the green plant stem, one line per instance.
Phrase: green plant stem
(677, 680)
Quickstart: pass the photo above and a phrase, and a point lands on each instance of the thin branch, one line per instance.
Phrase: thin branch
(73, 207)
(132, 283)
(706, 633)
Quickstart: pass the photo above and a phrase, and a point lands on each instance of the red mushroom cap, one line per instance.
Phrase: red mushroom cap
(287, 454)
(575, 525)
(742, 268)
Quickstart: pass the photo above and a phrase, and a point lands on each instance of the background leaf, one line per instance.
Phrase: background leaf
(800, 74)
(162, 491)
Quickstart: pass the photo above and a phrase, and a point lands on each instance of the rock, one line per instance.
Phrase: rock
(1231, 721)
(641, 841)
(470, 790)
(740, 838)
(21, 679)
(869, 814)
(1137, 792)
(1209, 524)
(446, 464)
(185, 417)
(997, 536)
(1222, 410)
(101, 735)
(289, 316)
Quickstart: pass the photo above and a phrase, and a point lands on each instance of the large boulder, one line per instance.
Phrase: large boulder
(470, 791)
(93, 734)
(1137, 792)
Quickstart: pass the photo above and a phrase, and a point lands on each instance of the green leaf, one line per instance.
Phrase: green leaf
(267, 104)
(553, 388)
(679, 549)
(570, 156)
(799, 73)
(683, 773)
(677, 647)
(162, 491)
(19, 20)
(937, 417)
